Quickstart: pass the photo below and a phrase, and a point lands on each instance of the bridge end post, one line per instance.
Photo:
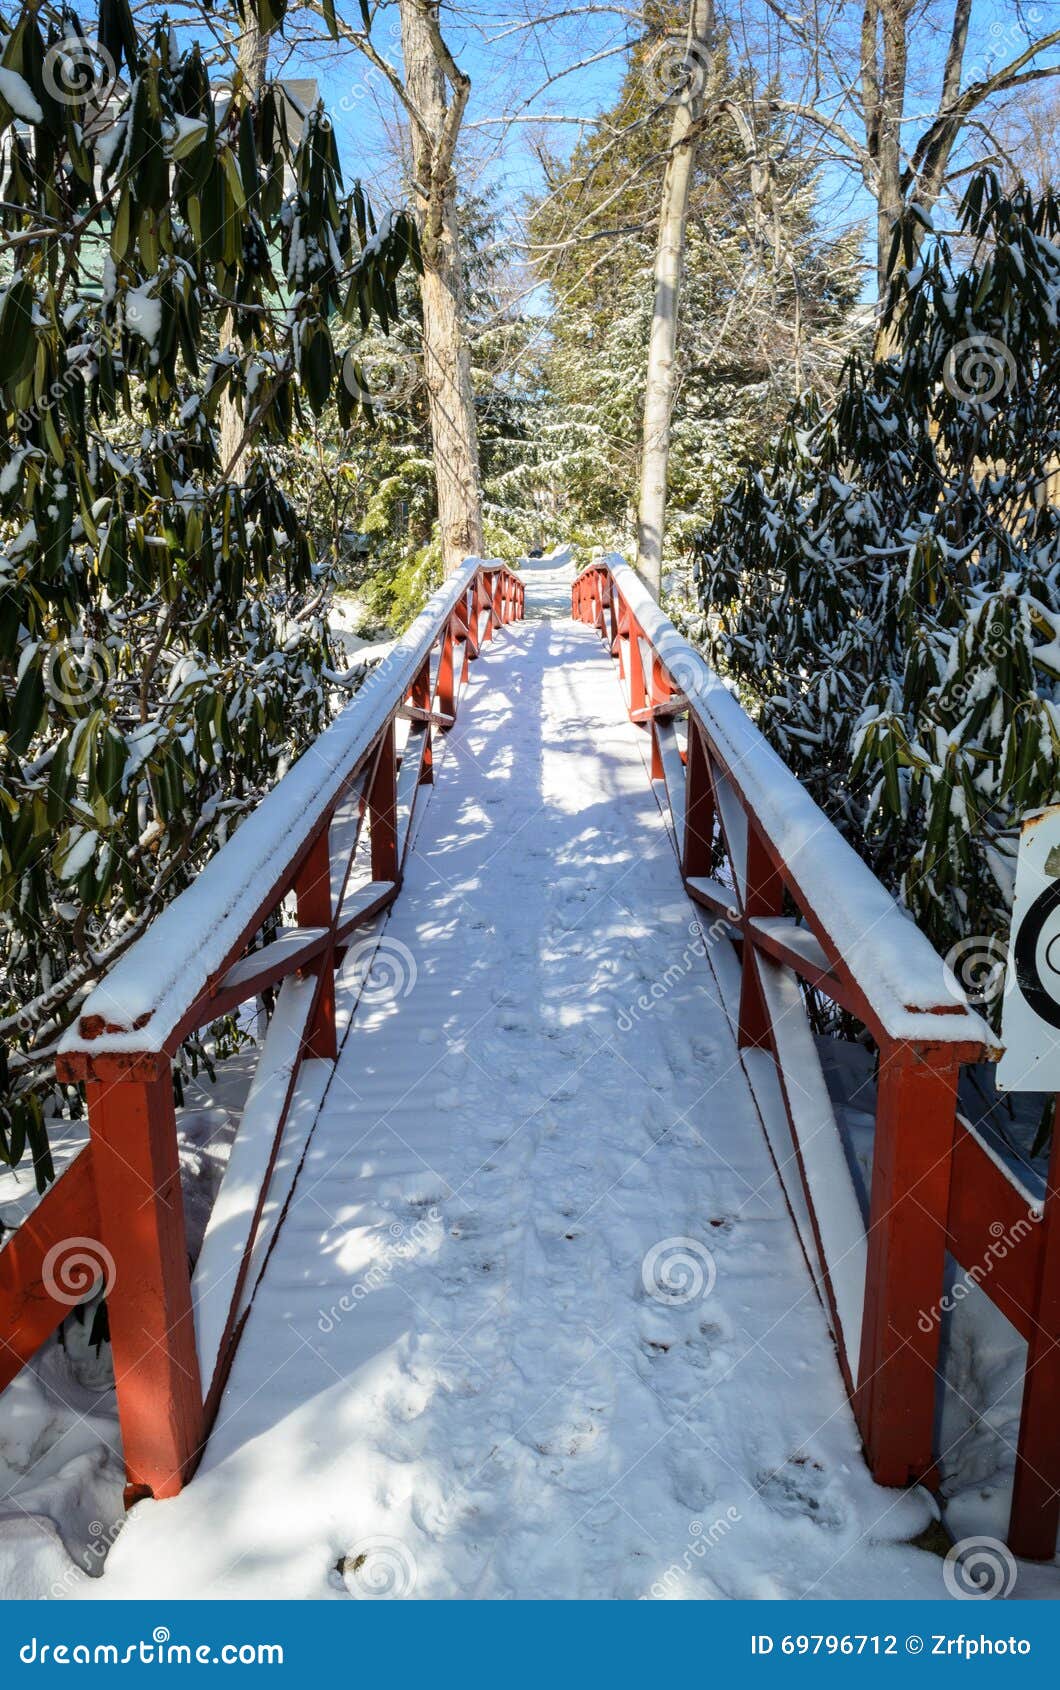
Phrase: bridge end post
(894, 1402)
(147, 1281)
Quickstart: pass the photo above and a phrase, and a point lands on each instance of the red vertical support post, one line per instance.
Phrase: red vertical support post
(147, 1281)
(466, 618)
(312, 890)
(637, 690)
(382, 810)
(659, 693)
(656, 754)
(446, 690)
(420, 696)
(1035, 1515)
(483, 605)
(498, 598)
(916, 1104)
(697, 858)
(763, 894)
(471, 639)
(621, 629)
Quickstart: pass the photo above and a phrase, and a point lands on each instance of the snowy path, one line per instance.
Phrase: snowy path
(454, 1375)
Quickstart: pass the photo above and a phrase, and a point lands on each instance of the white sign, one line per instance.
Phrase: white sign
(1030, 1016)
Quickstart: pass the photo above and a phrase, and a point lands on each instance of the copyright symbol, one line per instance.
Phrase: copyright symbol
(913, 1645)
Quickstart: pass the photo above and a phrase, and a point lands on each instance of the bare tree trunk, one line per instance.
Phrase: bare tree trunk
(884, 71)
(253, 59)
(669, 267)
(437, 92)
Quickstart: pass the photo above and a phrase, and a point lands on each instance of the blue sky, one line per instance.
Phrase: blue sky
(508, 68)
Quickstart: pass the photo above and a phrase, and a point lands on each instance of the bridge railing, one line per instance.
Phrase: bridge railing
(801, 906)
(116, 1214)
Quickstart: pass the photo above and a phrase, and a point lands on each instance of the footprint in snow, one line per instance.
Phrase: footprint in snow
(801, 1488)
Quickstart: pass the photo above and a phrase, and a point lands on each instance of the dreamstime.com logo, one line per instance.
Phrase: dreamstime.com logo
(676, 73)
(79, 70)
(381, 970)
(75, 1268)
(101, 1540)
(379, 1569)
(1003, 1239)
(76, 672)
(978, 965)
(678, 971)
(160, 1651)
(978, 369)
(402, 1244)
(677, 1271)
(979, 1569)
(384, 379)
(81, 360)
(701, 1538)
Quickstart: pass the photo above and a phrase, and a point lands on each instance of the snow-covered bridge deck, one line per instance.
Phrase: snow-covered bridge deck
(501, 1294)
(537, 1322)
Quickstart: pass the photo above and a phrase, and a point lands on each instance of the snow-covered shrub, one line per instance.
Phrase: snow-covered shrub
(886, 588)
(168, 250)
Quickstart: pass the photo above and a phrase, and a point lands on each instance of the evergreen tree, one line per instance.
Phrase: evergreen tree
(886, 588)
(162, 655)
(766, 302)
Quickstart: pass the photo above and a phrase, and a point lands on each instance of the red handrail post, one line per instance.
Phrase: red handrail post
(916, 1108)
(464, 617)
(446, 678)
(312, 890)
(638, 696)
(382, 810)
(141, 1214)
(1035, 1515)
(420, 698)
(483, 607)
(697, 859)
(763, 894)
(659, 693)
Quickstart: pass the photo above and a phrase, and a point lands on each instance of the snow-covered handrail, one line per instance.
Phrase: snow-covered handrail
(173, 1333)
(801, 906)
(906, 985)
(142, 1004)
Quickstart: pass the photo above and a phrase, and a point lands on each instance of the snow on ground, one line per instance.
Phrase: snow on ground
(537, 1324)
(61, 1470)
(345, 616)
(983, 1358)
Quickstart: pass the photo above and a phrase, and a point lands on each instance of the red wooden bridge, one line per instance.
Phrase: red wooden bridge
(317, 869)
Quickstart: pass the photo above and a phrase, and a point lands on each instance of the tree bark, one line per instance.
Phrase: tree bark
(437, 93)
(669, 268)
(253, 60)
